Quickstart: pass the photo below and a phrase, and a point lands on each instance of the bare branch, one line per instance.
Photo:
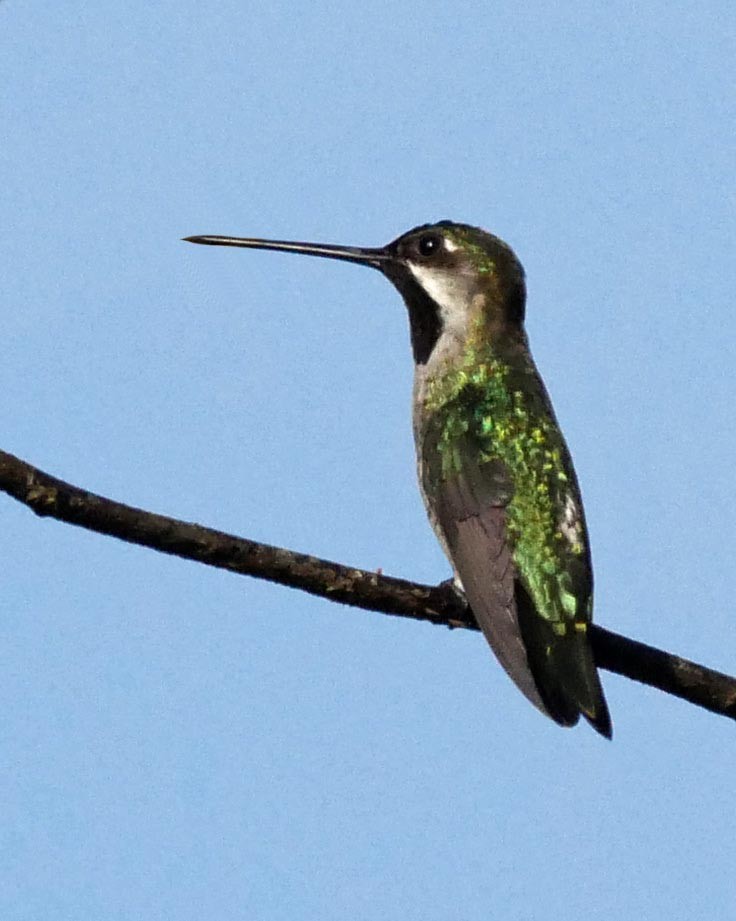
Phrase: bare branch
(50, 497)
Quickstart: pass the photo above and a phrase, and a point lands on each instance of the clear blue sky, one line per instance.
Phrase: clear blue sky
(181, 743)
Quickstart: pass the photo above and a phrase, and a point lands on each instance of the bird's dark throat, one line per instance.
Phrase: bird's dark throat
(425, 321)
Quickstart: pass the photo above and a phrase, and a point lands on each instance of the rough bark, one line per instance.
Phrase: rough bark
(49, 497)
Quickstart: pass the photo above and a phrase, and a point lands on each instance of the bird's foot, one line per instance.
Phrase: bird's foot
(453, 590)
(455, 586)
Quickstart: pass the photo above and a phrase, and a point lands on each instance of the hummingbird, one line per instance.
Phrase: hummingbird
(495, 472)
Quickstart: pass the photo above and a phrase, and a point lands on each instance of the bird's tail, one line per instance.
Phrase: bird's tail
(564, 669)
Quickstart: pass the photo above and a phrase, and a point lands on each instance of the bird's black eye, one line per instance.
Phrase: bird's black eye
(429, 244)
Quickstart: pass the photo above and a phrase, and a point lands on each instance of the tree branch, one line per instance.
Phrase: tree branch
(49, 497)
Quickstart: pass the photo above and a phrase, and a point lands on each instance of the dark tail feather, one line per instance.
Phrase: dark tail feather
(601, 722)
(563, 669)
(581, 680)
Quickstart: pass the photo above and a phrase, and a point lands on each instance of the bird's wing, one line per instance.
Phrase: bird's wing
(470, 510)
(555, 672)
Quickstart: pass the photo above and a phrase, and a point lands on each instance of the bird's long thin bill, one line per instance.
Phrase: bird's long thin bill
(364, 255)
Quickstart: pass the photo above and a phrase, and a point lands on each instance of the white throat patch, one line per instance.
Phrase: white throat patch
(452, 294)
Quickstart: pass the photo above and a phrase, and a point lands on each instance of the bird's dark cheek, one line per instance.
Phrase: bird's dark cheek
(425, 323)
(425, 326)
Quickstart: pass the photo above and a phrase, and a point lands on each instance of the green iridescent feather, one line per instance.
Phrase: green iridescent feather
(497, 408)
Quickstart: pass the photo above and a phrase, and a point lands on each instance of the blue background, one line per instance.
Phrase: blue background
(182, 743)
